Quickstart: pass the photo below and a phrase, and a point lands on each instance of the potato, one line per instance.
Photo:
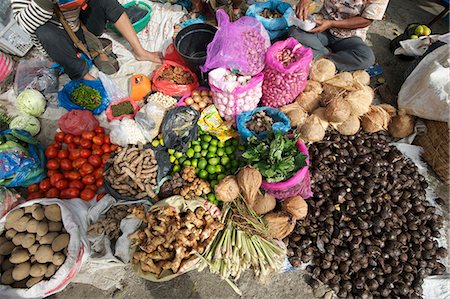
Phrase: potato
(3, 239)
(38, 270)
(2, 258)
(20, 284)
(54, 226)
(7, 265)
(53, 212)
(7, 277)
(17, 240)
(44, 254)
(19, 256)
(58, 259)
(32, 226)
(33, 248)
(28, 240)
(6, 247)
(21, 224)
(30, 209)
(33, 280)
(38, 214)
(13, 216)
(42, 228)
(51, 269)
(21, 271)
(48, 238)
(60, 242)
(10, 233)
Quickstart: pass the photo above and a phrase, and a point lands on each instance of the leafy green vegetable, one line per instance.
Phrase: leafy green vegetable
(31, 102)
(27, 123)
(277, 157)
(86, 97)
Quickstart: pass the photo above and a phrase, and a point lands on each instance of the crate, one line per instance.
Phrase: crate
(14, 40)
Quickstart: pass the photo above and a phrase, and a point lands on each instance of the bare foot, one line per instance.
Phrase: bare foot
(149, 56)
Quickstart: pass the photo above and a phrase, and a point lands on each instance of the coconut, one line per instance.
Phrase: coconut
(361, 77)
(389, 109)
(322, 70)
(228, 189)
(296, 206)
(313, 129)
(360, 100)
(377, 119)
(349, 127)
(337, 110)
(402, 125)
(279, 224)
(320, 112)
(297, 115)
(313, 86)
(264, 203)
(342, 80)
(309, 101)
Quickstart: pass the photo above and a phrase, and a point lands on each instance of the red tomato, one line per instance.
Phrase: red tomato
(63, 154)
(45, 185)
(33, 188)
(99, 182)
(76, 184)
(98, 139)
(114, 147)
(62, 184)
(52, 193)
(68, 139)
(64, 194)
(66, 164)
(56, 145)
(96, 147)
(56, 178)
(72, 146)
(98, 173)
(59, 137)
(85, 153)
(87, 135)
(35, 195)
(73, 175)
(86, 169)
(84, 143)
(105, 157)
(92, 187)
(76, 139)
(52, 164)
(73, 192)
(51, 152)
(95, 160)
(106, 148)
(52, 172)
(99, 130)
(88, 180)
(106, 139)
(87, 194)
(74, 154)
(97, 152)
(100, 196)
(78, 163)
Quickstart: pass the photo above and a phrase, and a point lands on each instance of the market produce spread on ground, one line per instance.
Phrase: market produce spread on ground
(214, 182)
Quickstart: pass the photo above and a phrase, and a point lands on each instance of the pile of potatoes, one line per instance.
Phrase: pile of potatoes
(33, 245)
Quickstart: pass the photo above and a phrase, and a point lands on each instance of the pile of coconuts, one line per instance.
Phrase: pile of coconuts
(369, 233)
(343, 101)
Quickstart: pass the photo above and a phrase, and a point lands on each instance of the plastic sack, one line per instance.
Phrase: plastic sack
(171, 88)
(126, 131)
(22, 159)
(9, 199)
(240, 45)
(172, 55)
(112, 90)
(275, 27)
(77, 121)
(179, 127)
(73, 214)
(281, 122)
(282, 84)
(149, 120)
(232, 102)
(65, 101)
(111, 117)
(299, 184)
(425, 93)
(180, 205)
(36, 74)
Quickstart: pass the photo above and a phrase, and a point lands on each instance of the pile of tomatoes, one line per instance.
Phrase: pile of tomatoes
(74, 166)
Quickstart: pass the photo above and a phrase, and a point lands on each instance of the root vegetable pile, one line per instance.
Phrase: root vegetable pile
(33, 245)
(270, 14)
(199, 99)
(195, 187)
(162, 99)
(176, 75)
(370, 232)
(86, 97)
(133, 172)
(169, 239)
(260, 122)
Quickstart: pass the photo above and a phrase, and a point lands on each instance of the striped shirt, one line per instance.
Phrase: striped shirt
(31, 14)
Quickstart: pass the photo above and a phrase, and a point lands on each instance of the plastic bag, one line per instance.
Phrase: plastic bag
(74, 217)
(77, 121)
(65, 101)
(232, 101)
(9, 199)
(126, 131)
(281, 122)
(240, 45)
(111, 117)
(275, 27)
(36, 74)
(112, 90)
(282, 84)
(211, 122)
(171, 88)
(179, 127)
(172, 55)
(149, 120)
(22, 159)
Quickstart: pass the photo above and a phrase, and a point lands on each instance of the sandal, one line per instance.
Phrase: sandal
(109, 66)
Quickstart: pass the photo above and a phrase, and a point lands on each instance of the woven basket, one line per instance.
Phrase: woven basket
(436, 143)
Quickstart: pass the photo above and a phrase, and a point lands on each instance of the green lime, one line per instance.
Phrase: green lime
(220, 152)
(229, 150)
(213, 161)
(176, 162)
(225, 160)
(197, 148)
(203, 174)
(197, 171)
(212, 148)
(155, 143)
(195, 142)
(178, 155)
(234, 163)
(205, 145)
(194, 163)
(172, 159)
(211, 197)
(219, 168)
(207, 138)
(190, 153)
(182, 159)
(212, 177)
(171, 151)
(234, 142)
(221, 144)
(176, 168)
(187, 163)
(211, 169)
(241, 148)
(197, 155)
(221, 176)
(202, 163)
(214, 142)
(204, 152)
(213, 183)
(210, 155)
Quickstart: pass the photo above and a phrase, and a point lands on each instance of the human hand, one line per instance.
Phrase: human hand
(322, 25)
(301, 10)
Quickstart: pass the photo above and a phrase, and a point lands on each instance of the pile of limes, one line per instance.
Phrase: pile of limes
(213, 159)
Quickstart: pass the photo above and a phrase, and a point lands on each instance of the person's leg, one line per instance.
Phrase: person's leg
(316, 41)
(350, 54)
(60, 48)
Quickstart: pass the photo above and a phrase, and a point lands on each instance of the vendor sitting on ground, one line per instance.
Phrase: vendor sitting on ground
(198, 8)
(37, 17)
(340, 35)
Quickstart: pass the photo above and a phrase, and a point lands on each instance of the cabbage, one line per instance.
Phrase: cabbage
(26, 122)
(31, 102)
